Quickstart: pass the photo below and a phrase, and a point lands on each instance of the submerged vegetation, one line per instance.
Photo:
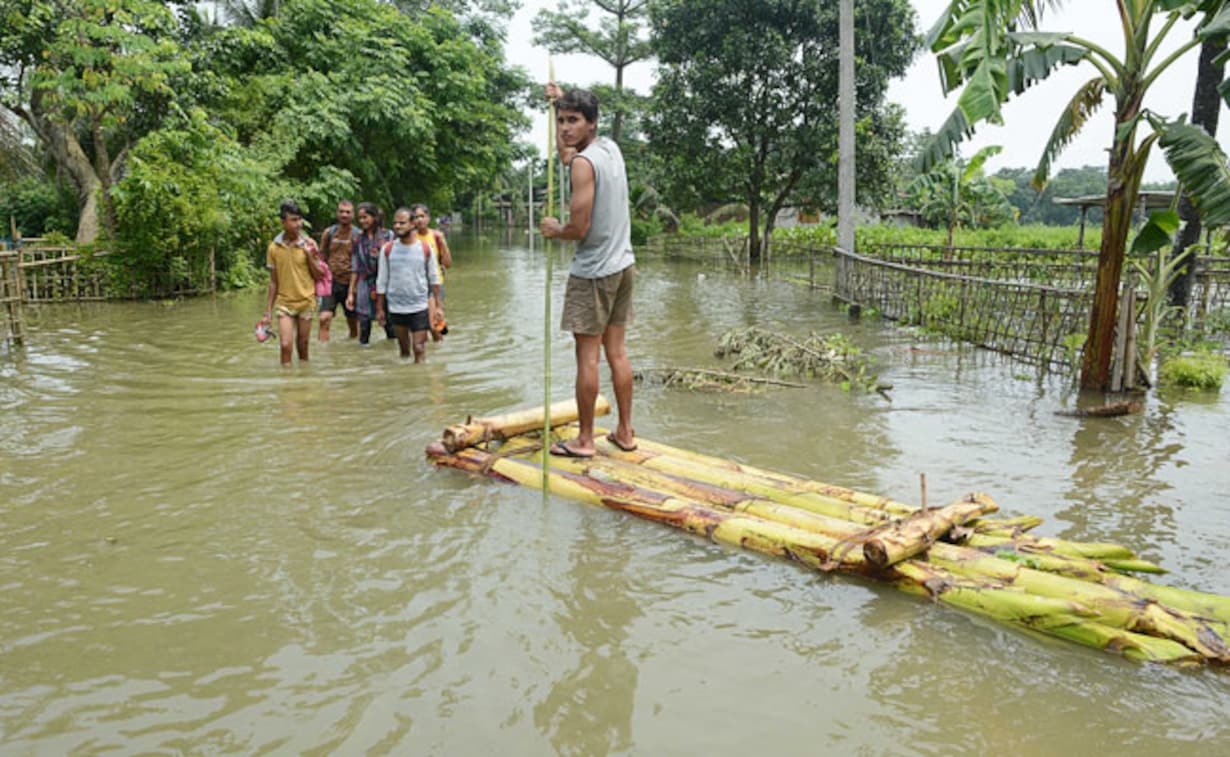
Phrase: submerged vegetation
(708, 380)
(1198, 370)
(831, 357)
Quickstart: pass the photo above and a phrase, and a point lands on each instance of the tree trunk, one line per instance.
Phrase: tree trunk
(617, 124)
(102, 159)
(72, 160)
(753, 228)
(1206, 105)
(766, 245)
(1123, 177)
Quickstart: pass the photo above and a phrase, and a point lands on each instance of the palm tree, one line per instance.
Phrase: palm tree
(16, 158)
(994, 49)
(249, 13)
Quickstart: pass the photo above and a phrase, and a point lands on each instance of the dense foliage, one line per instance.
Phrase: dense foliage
(89, 78)
(617, 40)
(744, 106)
(179, 135)
(1033, 206)
(1010, 236)
(1199, 370)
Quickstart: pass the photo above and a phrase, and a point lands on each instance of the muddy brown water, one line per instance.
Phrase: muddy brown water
(203, 553)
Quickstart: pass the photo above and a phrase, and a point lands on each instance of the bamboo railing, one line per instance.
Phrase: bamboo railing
(12, 328)
(1032, 304)
(51, 272)
(60, 273)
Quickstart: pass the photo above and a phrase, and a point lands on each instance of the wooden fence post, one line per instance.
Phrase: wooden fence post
(1118, 357)
(1129, 348)
(10, 294)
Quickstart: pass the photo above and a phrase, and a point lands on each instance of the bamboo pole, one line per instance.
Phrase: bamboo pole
(546, 300)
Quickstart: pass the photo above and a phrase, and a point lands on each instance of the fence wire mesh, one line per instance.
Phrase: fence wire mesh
(1033, 304)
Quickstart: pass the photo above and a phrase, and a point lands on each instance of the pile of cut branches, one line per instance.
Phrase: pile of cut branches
(707, 380)
(832, 358)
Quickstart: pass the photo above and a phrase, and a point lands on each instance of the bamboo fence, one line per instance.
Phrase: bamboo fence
(51, 272)
(1032, 304)
(12, 328)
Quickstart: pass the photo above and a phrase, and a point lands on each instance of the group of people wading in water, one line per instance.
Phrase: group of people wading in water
(395, 278)
(392, 277)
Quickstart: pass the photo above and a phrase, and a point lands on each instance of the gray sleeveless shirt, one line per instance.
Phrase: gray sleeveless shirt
(607, 248)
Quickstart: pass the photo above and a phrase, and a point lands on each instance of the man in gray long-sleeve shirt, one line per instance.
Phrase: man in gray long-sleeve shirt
(598, 301)
(407, 286)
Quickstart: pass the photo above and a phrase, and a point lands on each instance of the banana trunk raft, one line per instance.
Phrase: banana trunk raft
(954, 554)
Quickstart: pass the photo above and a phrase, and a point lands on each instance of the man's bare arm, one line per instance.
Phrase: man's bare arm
(581, 208)
(273, 291)
(314, 260)
(446, 256)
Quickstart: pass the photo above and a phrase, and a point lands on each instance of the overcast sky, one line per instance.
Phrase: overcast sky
(1028, 119)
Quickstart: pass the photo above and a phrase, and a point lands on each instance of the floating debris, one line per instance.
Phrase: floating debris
(832, 358)
(708, 380)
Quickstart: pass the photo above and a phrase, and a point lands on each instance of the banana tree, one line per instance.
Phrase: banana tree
(994, 49)
(956, 193)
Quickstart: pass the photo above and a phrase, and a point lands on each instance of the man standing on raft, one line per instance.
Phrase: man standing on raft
(598, 300)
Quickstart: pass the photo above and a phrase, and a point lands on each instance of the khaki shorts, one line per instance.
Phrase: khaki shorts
(306, 313)
(590, 305)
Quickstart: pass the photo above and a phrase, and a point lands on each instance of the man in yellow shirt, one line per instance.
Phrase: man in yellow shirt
(294, 268)
(420, 217)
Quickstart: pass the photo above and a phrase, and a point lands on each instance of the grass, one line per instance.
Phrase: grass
(1198, 370)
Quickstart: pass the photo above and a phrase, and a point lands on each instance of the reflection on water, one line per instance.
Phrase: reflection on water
(200, 552)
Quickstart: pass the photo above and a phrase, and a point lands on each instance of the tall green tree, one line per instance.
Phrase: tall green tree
(617, 40)
(744, 106)
(84, 75)
(993, 49)
(390, 106)
(1040, 207)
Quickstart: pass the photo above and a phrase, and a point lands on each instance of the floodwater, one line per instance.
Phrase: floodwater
(201, 552)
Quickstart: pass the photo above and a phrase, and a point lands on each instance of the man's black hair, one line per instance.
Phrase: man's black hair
(580, 100)
(290, 208)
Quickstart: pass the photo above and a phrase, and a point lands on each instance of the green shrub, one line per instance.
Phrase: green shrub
(1009, 236)
(940, 307)
(643, 229)
(191, 191)
(1200, 370)
(38, 207)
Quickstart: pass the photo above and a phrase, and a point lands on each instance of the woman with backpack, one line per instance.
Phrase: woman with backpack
(364, 267)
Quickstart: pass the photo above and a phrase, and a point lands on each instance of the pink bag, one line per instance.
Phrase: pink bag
(324, 287)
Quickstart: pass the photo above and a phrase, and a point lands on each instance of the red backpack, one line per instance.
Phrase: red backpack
(387, 249)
